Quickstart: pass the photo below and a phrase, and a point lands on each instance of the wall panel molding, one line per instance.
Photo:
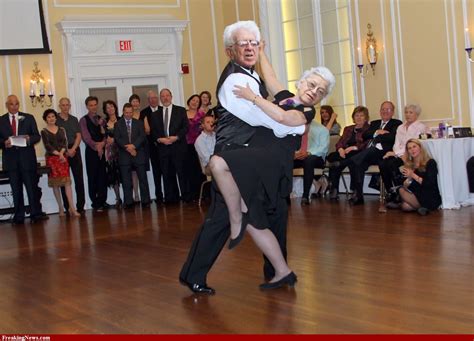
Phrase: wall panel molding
(130, 4)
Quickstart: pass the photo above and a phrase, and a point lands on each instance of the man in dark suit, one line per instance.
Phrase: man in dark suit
(130, 137)
(150, 110)
(93, 135)
(20, 161)
(381, 134)
(169, 128)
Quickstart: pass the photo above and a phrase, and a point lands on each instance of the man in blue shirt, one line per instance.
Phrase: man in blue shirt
(312, 157)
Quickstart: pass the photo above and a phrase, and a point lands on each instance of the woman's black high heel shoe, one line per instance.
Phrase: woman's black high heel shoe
(234, 242)
(289, 280)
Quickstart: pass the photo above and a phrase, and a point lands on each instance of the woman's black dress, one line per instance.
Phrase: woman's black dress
(427, 192)
(263, 171)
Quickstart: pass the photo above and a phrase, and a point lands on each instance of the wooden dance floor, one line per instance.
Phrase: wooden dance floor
(359, 271)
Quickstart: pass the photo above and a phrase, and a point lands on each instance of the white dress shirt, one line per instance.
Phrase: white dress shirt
(406, 132)
(170, 110)
(16, 121)
(204, 145)
(246, 110)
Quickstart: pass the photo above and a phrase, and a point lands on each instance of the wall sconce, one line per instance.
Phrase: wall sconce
(38, 89)
(467, 41)
(370, 51)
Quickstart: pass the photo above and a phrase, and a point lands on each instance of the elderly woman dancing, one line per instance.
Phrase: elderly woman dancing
(251, 179)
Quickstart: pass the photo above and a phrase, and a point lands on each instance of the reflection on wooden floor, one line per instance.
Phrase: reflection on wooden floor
(359, 272)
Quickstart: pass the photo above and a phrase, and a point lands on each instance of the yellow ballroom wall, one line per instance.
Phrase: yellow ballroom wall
(422, 57)
(202, 43)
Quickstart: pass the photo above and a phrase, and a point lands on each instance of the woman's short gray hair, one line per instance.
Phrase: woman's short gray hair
(415, 107)
(248, 25)
(322, 72)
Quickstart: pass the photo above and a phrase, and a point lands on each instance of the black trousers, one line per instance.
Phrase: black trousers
(214, 232)
(96, 178)
(361, 162)
(75, 164)
(390, 172)
(156, 169)
(193, 172)
(309, 165)
(335, 172)
(172, 165)
(470, 173)
(28, 178)
(127, 183)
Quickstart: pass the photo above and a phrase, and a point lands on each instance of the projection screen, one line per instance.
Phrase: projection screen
(22, 27)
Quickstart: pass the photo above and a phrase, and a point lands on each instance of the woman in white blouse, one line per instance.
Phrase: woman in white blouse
(392, 160)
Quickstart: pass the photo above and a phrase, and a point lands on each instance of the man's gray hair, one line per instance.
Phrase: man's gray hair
(415, 107)
(248, 25)
(322, 72)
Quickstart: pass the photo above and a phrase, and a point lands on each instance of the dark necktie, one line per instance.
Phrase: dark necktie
(129, 130)
(13, 125)
(166, 121)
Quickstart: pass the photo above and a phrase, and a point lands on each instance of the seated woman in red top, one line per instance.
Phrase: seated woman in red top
(350, 143)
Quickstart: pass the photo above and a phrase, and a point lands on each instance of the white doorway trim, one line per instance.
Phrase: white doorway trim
(90, 52)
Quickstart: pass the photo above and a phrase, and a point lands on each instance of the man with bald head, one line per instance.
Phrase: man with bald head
(20, 161)
(152, 110)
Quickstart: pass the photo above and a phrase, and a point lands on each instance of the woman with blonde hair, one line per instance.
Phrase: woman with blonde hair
(420, 190)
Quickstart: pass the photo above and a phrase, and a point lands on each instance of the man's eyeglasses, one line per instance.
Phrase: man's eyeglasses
(244, 43)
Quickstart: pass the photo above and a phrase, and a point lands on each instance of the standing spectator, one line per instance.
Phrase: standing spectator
(206, 142)
(131, 139)
(192, 165)
(206, 103)
(55, 144)
(19, 159)
(145, 115)
(313, 157)
(93, 135)
(70, 124)
(169, 130)
(392, 160)
(111, 150)
(328, 119)
(420, 190)
(135, 101)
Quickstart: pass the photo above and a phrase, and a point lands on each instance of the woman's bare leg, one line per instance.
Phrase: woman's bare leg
(268, 244)
(230, 192)
(57, 195)
(70, 200)
(264, 239)
(410, 199)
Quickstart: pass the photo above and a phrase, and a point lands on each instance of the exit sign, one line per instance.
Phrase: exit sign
(124, 46)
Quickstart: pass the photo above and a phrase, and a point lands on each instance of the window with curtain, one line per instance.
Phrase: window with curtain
(318, 33)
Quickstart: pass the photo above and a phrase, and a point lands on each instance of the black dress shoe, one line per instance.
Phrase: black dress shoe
(146, 205)
(423, 211)
(234, 242)
(37, 218)
(288, 280)
(305, 201)
(198, 288)
(356, 201)
(17, 222)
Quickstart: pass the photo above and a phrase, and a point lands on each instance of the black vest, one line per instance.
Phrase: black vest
(230, 128)
(94, 130)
